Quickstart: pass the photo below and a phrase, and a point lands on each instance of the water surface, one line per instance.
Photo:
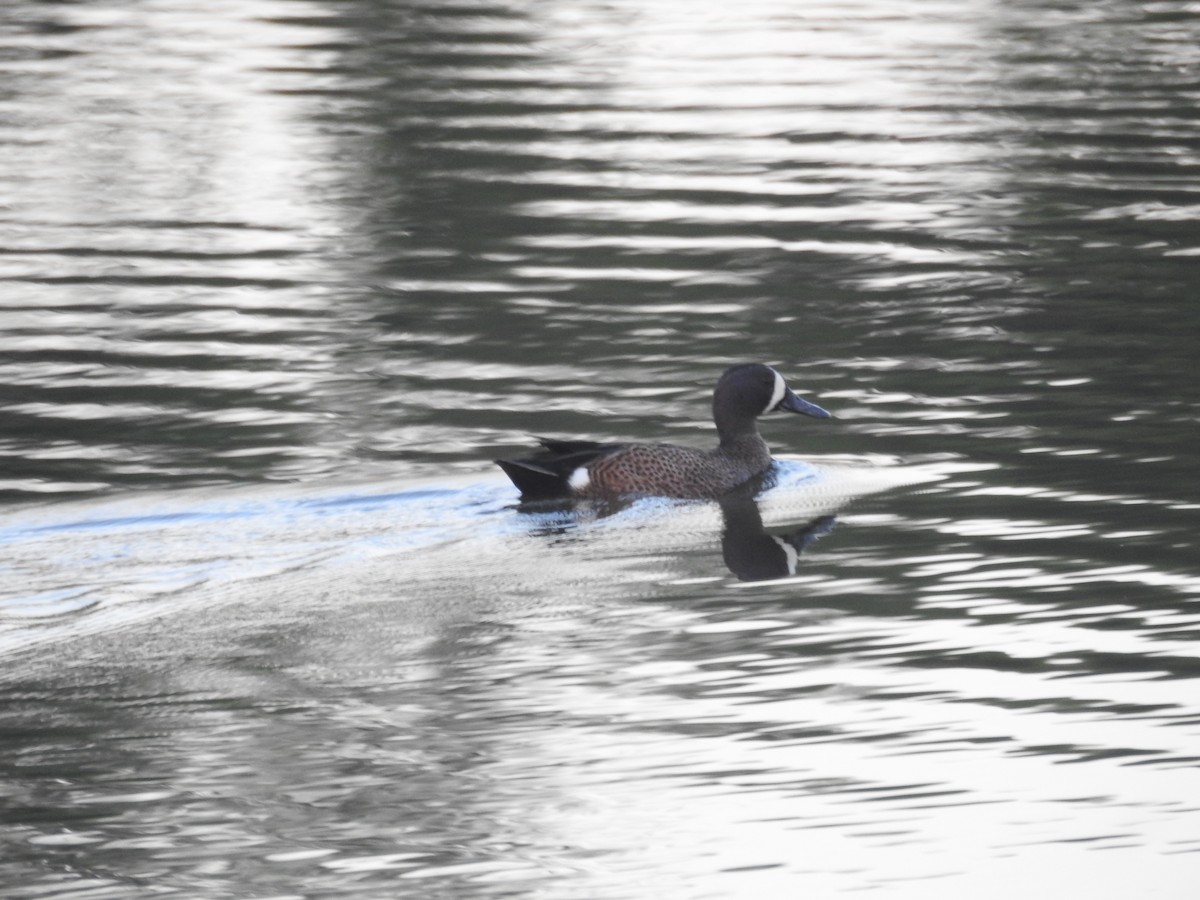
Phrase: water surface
(279, 278)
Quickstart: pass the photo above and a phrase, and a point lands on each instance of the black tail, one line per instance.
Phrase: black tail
(534, 482)
(546, 475)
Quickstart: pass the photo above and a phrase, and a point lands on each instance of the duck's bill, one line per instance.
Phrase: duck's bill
(792, 403)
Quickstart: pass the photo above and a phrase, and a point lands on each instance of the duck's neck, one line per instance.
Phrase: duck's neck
(732, 426)
(740, 440)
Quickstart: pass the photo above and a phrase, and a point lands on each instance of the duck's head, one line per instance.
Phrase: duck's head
(750, 390)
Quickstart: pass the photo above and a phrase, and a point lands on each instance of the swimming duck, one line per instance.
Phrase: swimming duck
(589, 470)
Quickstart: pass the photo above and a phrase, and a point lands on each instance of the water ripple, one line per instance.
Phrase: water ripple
(282, 282)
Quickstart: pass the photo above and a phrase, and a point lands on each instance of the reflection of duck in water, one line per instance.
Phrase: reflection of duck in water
(749, 550)
(591, 470)
(753, 554)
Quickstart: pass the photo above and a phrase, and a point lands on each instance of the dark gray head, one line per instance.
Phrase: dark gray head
(750, 390)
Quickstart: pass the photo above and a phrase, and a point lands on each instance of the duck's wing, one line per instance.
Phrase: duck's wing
(571, 448)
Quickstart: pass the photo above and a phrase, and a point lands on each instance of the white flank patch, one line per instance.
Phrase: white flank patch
(777, 394)
(579, 479)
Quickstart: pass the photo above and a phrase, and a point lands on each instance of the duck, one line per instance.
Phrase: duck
(591, 470)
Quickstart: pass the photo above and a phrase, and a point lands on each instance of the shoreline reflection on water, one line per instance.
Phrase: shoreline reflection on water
(252, 251)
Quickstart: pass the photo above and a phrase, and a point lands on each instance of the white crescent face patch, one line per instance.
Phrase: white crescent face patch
(789, 553)
(777, 394)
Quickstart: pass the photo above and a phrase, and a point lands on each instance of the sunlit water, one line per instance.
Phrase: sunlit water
(279, 278)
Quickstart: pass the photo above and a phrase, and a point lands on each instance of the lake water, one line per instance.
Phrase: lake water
(280, 278)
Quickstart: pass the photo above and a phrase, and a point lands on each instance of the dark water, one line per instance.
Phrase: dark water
(278, 279)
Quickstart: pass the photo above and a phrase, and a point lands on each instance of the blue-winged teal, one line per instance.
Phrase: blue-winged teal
(587, 469)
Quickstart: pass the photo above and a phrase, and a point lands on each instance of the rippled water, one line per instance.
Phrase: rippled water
(279, 278)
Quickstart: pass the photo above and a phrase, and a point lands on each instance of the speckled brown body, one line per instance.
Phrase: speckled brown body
(668, 470)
